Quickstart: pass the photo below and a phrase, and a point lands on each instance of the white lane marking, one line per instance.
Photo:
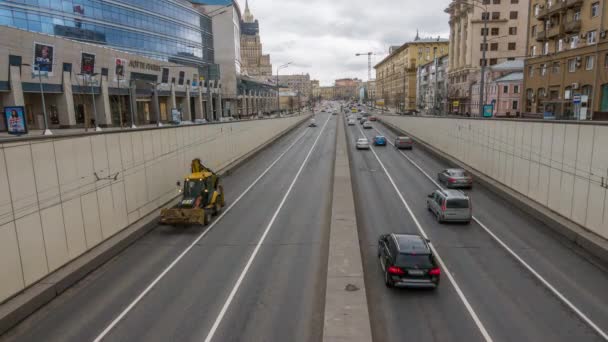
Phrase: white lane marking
(237, 285)
(464, 299)
(103, 334)
(551, 288)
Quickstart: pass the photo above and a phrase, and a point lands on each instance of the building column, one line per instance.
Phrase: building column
(188, 108)
(173, 103)
(198, 105)
(155, 106)
(451, 47)
(65, 103)
(102, 103)
(15, 96)
(463, 39)
(133, 102)
(220, 109)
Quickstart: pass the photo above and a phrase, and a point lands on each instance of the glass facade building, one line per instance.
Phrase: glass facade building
(169, 30)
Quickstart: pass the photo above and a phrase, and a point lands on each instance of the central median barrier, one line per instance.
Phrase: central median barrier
(557, 171)
(70, 203)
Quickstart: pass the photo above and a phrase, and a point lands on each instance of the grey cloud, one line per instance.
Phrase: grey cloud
(322, 36)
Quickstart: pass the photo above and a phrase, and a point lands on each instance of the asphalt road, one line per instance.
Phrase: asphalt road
(281, 295)
(511, 303)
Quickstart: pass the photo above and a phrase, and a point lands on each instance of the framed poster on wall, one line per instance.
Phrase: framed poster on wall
(14, 117)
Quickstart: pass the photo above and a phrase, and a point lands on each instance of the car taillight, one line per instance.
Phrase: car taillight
(435, 271)
(451, 180)
(443, 207)
(395, 270)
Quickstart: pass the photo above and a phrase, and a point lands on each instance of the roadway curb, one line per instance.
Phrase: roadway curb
(346, 313)
(594, 245)
(22, 305)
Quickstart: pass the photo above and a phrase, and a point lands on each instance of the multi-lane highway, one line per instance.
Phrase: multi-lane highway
(259, 272)
(492, 294)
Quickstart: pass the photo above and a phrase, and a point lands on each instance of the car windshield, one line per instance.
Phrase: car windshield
(457, 203)
(414, 261)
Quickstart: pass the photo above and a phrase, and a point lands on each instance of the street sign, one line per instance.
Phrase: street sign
(456, 103)
(488, 111)
(576, 99)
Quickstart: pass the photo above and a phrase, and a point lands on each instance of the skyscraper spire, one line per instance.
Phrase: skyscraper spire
(417, 36)
(248, 17)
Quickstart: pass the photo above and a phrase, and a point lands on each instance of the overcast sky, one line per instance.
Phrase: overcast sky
(321, 37)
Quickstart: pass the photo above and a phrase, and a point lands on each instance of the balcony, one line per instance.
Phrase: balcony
(573, 26)
(541, 36)
(574, 3)
(555, 31)
(557, 6)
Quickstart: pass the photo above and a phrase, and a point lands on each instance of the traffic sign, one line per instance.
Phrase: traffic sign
(576, 99)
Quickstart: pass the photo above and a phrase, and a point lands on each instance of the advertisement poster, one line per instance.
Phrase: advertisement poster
(87, 63)
(15, 120)
(488, 111)
(119, 66)
(43, 59)
(165, 76)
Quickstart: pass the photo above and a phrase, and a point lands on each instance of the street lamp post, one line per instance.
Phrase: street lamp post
(286, 65)
(89, 77)
(46, 131)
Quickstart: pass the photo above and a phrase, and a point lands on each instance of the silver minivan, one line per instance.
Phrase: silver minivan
(450, 206)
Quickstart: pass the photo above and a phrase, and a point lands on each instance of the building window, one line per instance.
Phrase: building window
(493, 61)
(485, 16)
(577, 15)
(495, 31)
(595, 9)
(482, 62)
(591, 37)
(574, 41)
(531, 71)
(505, 89)
(533, 50)
(513, 15)
(556, 67)
(589, 62)
(484, 31)
(516, 89)
(543, 69)
(486, 2)
(514, 1)
(495, 15)
(536, 10)
(515, 105)
(496, 2)
(512, 46)
(560, 45)
(606, 61)
(483, 47)
(546, 48)
(494, 47)
(571, 65)
(513, 31)
(533, 31)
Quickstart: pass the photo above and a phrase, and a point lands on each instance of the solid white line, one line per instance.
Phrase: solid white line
(558, 294)
(103, 334)
(464, 299)
(237, 285)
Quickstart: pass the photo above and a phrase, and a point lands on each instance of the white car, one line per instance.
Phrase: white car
(351, 122)
(362, 144)
(367, 125)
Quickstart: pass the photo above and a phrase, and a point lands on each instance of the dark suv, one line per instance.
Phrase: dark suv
(408, 261)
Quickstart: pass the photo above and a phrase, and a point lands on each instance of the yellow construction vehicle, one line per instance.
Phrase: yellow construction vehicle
(202, 198)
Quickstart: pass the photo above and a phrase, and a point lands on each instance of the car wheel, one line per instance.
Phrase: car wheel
(439, 219)
(208, 217)
(217, 210)
(387, 280)
(428, 207)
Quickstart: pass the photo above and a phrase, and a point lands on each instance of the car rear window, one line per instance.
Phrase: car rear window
(414, 260)
(457, 203)
(459, 174)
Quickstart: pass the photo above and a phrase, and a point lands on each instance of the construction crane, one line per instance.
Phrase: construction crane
(369, 63)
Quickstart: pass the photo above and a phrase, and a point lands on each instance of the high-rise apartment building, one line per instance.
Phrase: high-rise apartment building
(299, 83)
(502, 22)
(566, 74)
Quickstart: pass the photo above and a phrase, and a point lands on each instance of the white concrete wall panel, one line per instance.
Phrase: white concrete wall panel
(45, 170)
(31, 248)
(74, 228)
(6, 206)
(91, 218)
(560, 165)
(55, 239)
(21, 178)
(11, 272)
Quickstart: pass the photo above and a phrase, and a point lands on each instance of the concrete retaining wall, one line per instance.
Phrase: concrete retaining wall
(61, 197)
(557, 164)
